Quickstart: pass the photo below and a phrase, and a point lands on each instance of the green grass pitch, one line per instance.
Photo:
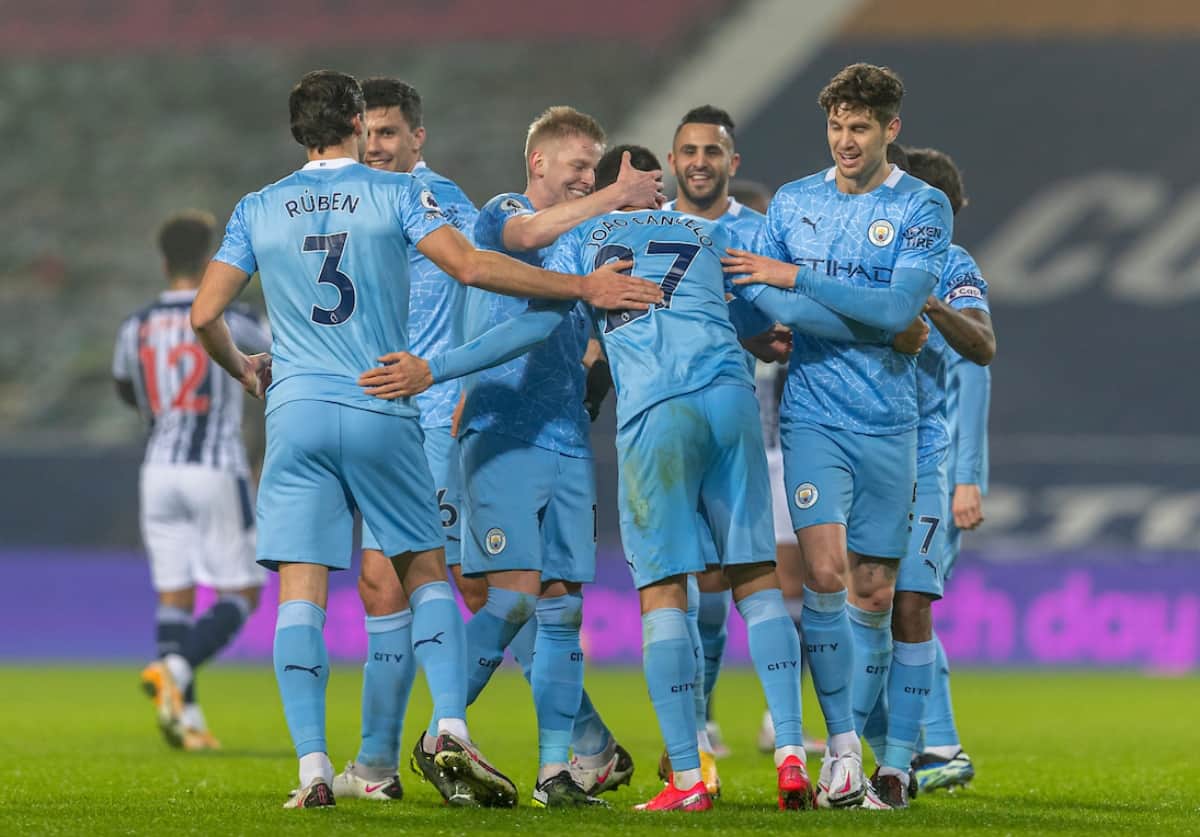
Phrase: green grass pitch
(1070, 753)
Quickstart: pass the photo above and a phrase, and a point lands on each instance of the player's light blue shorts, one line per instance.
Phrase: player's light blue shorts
(921, 567)
(702, 447)
(441, 452)
(324, 460)
(526, 508)
(953, 538)
(866, 483)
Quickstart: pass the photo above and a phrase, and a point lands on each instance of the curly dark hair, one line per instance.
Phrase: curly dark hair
(323, 105)
(939, 170)
(858, 86)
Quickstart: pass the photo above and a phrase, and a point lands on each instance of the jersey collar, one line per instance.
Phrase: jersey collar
(181, 295)
(335, 163)
(892, 179)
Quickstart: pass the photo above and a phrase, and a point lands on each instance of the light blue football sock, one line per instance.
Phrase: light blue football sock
(775, 651)
(387, 682)
(713, 618)
(827, 639)
(491, 630)
(589, 736)
(872, 632)
(521, 647)
(440, 647)
(939, 709)
(670, 678)
(700, 706)
(302, 671)
(908, 691)
(557, 675)
(875, 730)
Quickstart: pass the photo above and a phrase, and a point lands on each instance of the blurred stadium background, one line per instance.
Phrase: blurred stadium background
(1073, 122)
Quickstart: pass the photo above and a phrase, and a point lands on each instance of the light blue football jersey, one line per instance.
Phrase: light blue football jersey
(331, 244)
(538, 397)
(687, 341)
(960, 286)
(435, 307)
(744, 222)
(860, 240)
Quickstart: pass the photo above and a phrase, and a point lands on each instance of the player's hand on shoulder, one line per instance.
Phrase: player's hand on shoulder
(642, 189)
(967, 506)
(772, 346)
(256, 374)
(912, 339)
(400, 376)
(610, 288)
(752, 269)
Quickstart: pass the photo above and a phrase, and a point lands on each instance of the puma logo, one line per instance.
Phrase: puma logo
(931, 566)
(436, 639)
(315, 671)
(804, 219)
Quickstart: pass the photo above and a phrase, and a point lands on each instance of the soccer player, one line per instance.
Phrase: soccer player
(395, 142)
(688, 437)
(195, 491)
(331, 245)
(869, 242)
(960, 314)
(534, 539)
(704, 160)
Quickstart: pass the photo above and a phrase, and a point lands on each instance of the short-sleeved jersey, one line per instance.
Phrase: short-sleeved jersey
(687, 341)
(538, 397)
(436, 303)
(960, 286)
(192, 408)
(331, 244)
(860, 240)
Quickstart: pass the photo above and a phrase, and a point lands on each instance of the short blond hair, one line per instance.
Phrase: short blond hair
(559, 122)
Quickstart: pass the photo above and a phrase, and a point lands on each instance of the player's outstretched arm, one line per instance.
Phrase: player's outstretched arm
(968, 330)
(452, 252)
(404, 375)
(219, 287)
(633, 188)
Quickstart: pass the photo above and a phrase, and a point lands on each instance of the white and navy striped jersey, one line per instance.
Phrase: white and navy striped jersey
(769, 380)
(193, 408)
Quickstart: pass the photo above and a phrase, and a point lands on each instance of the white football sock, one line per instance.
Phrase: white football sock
(315, 766)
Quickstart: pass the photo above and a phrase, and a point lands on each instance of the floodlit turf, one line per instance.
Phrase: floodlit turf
(1073, 753)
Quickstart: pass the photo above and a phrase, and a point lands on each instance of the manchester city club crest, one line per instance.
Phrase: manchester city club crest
(881, 233)
(806, 495)
(495, 541)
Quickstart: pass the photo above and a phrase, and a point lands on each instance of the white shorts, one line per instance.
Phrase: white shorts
(784, 533)
(198, 528)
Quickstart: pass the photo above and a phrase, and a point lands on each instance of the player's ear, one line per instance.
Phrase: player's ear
(892, 130)
(734, 162)
(537, 162)
(419, 136)
(356, 122)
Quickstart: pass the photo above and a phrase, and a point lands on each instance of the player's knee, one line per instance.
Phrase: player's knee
(912, 617)
(826, 577)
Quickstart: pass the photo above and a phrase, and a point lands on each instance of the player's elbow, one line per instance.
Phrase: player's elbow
(982, 349)
(472, 271)
(523, 237)
(202, 319)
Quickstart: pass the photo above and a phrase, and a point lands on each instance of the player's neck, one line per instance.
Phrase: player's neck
(538, 196)
(349, 148)
(859, 186)
(712, 212)
(183, 283)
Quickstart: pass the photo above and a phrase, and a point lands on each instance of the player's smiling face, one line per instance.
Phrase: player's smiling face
(391, 144)
(859, 143)
(568, 167)
(703, 160)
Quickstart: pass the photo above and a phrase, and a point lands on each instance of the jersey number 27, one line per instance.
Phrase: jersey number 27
(684, 254)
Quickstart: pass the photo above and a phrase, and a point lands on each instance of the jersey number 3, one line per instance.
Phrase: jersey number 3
(332, 246)
(684, 255)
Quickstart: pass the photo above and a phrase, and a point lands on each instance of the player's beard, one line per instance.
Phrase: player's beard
(720, 181)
